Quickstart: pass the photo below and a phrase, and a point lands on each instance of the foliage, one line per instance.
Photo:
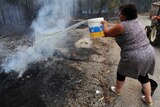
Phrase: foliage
(113, 4)
(97, 7)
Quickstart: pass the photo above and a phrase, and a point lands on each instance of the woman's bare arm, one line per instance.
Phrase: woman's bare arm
(155, 17)
(113, 31)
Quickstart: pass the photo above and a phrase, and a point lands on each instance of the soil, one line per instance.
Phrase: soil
(66, 79)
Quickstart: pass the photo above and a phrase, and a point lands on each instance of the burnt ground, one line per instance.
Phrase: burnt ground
(66, 79)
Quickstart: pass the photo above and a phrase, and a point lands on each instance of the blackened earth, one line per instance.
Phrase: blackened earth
(40, 86)
(45, 83)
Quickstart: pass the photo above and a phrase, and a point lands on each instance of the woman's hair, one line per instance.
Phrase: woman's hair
(128, 10)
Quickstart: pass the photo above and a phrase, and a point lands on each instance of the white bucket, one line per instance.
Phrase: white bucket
(95, 27)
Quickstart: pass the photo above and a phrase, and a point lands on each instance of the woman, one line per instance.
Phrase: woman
(137, 55)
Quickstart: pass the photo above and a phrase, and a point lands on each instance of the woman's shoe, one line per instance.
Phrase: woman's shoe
(143, 98)
(113, 88)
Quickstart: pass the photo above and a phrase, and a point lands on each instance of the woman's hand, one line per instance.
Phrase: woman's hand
(154, 17)
(104, 22)
(105, 25)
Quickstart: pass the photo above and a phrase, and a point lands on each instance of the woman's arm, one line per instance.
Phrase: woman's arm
(114, 31)
(155, 17)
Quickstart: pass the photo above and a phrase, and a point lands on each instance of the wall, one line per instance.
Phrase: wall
(16, 15)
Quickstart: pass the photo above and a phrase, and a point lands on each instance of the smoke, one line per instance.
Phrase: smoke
(53, 17)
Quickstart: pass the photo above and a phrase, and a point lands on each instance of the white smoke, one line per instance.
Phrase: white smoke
(52, 17)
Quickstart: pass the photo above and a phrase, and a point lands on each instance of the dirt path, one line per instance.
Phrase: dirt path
(156, 76)
(146, 21)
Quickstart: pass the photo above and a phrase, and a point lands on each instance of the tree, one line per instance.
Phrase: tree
(80, 6)
(2, 13)
(112, 6)
(103, 2)
(92, 7)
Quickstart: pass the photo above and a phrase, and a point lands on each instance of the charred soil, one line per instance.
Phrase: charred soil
(75, 78)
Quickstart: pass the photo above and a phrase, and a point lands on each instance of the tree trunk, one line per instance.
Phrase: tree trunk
(92, 6)
(2, 13)
(80, 7)
(101, 6)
